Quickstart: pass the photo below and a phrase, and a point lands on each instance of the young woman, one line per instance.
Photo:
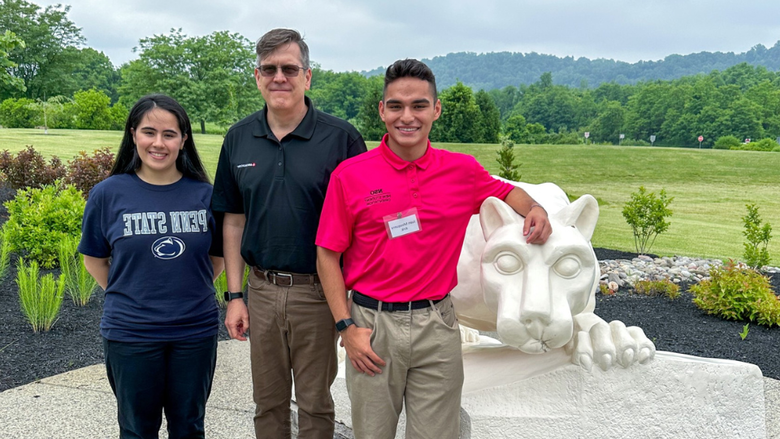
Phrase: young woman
(147, 237)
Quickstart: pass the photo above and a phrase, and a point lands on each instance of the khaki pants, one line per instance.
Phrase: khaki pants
(424, 370)
(291, 328)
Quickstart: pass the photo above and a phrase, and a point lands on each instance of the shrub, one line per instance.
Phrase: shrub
(5, 255)
(657, 288)
(756, 253)
(79, 284)
(92, 111)
(85, 171)
(119, 113)
(761, 145)
(29, 169)
(39, 218)
(605, 290)
(506, 160)
(736, 292)
(41, 298)
(20, 113)
(726, 142)
(646, 214)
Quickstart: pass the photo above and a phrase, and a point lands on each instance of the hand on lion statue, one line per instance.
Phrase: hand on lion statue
(540, 297)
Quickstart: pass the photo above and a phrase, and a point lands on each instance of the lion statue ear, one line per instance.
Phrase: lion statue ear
(494, 214)
(582, 214)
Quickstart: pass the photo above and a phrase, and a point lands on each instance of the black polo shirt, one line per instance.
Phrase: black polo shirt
(280, 185)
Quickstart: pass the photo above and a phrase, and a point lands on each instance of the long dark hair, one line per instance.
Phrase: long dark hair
(188, 162)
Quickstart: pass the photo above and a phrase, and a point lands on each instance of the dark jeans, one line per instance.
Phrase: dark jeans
(151, 377)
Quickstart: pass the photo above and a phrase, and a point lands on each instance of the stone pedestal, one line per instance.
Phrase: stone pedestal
(675, 396)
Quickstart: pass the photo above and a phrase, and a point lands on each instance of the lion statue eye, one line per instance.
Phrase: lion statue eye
(508, 263)
(567, 267)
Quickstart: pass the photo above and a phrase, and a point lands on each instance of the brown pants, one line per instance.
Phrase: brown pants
(424, 371)
(291, 328)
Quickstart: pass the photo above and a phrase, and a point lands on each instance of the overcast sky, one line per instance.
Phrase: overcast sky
(364, 34)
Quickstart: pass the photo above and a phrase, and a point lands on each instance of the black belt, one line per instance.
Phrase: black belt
(283, 279)
(368, 302)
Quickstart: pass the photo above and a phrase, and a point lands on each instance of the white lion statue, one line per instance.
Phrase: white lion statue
(540, 297)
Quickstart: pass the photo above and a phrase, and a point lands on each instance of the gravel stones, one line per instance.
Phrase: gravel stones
(678, 269)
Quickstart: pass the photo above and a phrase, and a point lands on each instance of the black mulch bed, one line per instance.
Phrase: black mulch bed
(676, 326)
(679, 326)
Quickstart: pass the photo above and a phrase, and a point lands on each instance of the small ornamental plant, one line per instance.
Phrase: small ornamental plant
(5, 255)
(40, 297)
(757, 238)
(79, 284)
(506, 160)
(85, 171)
(28, 169)
(663, 287)
(646, 213)
(39, 218)
(738, 292)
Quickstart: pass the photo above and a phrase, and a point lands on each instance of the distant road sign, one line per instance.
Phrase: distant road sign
(587, 134)
(652, 138)
(622, 136)
(701, 138)
(747, 140)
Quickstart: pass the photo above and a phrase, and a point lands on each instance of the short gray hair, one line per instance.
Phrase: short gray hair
(276, 38)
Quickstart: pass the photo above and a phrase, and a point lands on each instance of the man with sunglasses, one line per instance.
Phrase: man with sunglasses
(271, 180)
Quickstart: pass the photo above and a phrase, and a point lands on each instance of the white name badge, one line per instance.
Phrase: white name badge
(402, 223)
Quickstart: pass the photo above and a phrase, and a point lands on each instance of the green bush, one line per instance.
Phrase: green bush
(657, 288)
(85, 171)
(756, 253)
(79, 284)
(506, 160)
(5, 255)
(92, 111)
(29, 169)
(736, 292)
(761, 145)
(20, 113)
(39, 218)
(727, 142)
(41, 298)
(646, 213)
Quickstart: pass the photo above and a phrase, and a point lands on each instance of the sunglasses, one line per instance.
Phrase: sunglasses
(288, 70)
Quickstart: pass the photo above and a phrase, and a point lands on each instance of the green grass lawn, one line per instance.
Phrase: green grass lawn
(710, 187)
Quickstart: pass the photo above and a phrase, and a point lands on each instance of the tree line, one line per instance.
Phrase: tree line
(499, 69)
(48, 78)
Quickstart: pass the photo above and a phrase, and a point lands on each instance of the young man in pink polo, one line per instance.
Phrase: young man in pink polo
(398, 215)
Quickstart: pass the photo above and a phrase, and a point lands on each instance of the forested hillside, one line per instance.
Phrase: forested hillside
(50, 78)
(497, 70)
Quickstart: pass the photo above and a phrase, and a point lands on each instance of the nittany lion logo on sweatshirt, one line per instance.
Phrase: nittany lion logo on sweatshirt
(168, 247)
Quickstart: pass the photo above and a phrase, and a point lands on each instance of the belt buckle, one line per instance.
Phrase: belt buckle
(283, 275)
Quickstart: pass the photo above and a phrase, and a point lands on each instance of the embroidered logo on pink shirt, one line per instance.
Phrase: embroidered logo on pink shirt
(377, 196)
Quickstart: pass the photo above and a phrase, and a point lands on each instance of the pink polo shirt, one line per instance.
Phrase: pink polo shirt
(446, 188)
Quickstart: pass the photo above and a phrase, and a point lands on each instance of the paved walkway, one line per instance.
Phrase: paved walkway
(79, 404)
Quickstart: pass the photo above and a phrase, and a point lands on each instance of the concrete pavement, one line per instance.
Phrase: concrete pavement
(79, 404)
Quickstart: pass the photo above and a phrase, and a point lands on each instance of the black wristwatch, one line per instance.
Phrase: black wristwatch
(230, 296)
(344, 324)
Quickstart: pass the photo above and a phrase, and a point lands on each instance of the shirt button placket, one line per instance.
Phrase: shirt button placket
(414, 187)
(279, 161)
